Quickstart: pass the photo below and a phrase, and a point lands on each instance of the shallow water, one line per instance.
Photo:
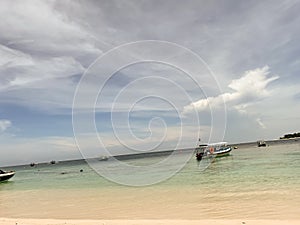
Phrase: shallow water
(251, 183)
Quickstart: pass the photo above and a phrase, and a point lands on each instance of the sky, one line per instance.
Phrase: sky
(218, 70)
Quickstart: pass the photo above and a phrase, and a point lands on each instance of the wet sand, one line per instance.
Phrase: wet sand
(150, 203)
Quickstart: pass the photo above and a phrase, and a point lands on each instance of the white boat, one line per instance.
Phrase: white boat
(219, 149)
(261, 143)
(103, 158)
(6, 175)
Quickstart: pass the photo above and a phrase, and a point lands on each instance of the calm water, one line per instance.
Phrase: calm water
(250, 183)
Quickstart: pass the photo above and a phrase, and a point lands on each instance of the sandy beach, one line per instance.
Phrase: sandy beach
(7, 221)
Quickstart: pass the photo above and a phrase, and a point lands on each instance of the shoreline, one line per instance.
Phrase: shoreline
(21, 221)
(162, 153)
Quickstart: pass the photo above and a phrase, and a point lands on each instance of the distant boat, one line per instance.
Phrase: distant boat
(261, 143)
(6, 175)
(215, 150)
(52, 162)
(103, 158)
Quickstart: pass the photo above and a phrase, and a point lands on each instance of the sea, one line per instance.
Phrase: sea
(251, 183)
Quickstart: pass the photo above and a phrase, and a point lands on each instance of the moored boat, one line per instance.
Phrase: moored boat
(261, 143)
(103, 158)
(219, 149)
(6, 175)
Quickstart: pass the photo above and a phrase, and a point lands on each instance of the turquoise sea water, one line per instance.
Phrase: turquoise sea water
(252, 182)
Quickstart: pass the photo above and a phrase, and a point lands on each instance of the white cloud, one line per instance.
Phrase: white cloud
(37, 27)
(10, 57)
(4, 124)
(248, 89)
(38, 70)
(41, 49)
(260, 123)
(39, 42)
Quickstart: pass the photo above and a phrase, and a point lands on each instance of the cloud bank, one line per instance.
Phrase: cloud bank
(251, 87)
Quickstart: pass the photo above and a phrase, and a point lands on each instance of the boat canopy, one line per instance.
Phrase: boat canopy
(223, 143)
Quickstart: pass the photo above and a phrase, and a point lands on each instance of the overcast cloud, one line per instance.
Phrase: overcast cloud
(251, 47)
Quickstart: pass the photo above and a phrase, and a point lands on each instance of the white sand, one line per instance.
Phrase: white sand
(154, 204)
(9, 221)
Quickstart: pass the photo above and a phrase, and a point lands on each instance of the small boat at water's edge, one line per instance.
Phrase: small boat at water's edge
(6, 175)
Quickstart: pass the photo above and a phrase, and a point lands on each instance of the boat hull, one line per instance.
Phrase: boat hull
(6, 176)
(223, 153)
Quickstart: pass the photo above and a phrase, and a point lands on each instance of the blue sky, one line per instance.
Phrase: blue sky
(251, 47)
